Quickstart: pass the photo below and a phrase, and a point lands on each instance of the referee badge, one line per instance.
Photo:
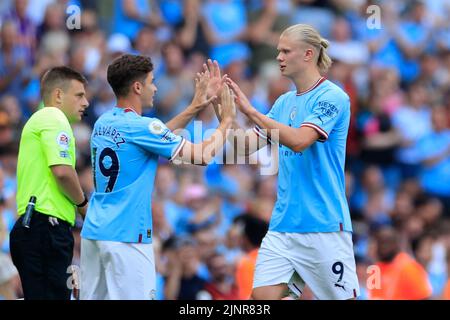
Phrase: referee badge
(64, 154)
(63, 140)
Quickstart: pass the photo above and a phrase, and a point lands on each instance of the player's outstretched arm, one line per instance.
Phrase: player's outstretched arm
(244, 142)
(199, 102)
(297, 139)
(203, 153)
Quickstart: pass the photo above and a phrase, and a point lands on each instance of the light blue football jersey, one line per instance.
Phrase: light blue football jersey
(311, 186)
(125, 148)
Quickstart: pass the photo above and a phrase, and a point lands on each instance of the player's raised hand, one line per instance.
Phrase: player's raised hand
(227, 107)
(241, 99)
(216, 80)
(215, 84)
(200, 100)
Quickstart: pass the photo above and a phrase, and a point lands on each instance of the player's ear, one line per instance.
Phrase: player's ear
(309, 54)
(137, 87)
(58, 95)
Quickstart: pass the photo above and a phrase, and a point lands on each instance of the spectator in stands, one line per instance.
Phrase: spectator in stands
(201, 211)
(10, 105)
(161, 227)
(384, 51)
(343, 47)
(402, 277)
(266, 22)
(430, 253)
(207, 242)
(379, 138)
(403, 208)
(131, 15)
(6, 132)
(253, 231)
(147, 44)
(317, 13)
(413, 122)
(190, 33)
(386, 85)
(374, 200)
(433, 74)
(225, 27)
(182, 281)
(412, 36)
(13, 60)
(54, 20)
(434, 149)
(222, 285)
(175, 89)
(26, 29)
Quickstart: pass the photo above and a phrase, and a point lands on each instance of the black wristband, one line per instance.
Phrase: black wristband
(85, 201)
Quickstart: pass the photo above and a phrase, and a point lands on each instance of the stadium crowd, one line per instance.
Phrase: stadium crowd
(209, 221)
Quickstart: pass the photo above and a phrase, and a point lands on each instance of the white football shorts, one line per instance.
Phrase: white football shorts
(325, 262)
(117, 271)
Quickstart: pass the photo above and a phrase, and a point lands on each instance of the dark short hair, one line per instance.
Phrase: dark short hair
(254, 228)
(126, 70)
(59, 77)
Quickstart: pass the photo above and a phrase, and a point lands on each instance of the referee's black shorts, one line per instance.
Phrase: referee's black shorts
(42, 255)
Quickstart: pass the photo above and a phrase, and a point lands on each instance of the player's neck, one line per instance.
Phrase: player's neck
(306, 80)
(131, 104)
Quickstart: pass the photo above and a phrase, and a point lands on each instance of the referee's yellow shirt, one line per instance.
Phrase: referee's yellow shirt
(47, 140)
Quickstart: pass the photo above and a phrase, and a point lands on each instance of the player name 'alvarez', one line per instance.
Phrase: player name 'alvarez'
(109, 132)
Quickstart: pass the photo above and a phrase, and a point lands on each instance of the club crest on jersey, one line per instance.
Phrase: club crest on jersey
(292, 115)
(156, 127)
(63, 140)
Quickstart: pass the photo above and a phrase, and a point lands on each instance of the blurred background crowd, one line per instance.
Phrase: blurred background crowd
(209, 221)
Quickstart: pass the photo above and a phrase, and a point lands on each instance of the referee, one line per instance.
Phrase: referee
(43, 252)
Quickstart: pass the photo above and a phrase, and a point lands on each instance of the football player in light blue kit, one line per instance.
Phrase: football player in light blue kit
(309, 239)
(117, 260)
